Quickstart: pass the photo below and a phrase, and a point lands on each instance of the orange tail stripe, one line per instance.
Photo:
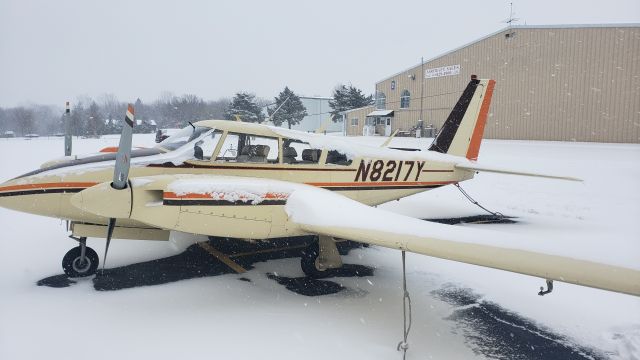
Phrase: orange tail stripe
(476, 138)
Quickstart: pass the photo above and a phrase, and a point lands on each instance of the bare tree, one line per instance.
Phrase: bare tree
(187, 108)
(46, 119)
(95, 123)
(110, 105)
(23, 119)
(4, 120)
(78, 118)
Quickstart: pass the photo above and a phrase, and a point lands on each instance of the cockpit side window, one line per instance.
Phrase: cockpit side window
(299, 152)
(262, 149)
(247, 148)
(335, 157)
(230, 148)
(203, 149)
(182, 137)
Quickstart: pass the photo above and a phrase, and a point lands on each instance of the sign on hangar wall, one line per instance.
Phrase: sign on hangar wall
(442, 71)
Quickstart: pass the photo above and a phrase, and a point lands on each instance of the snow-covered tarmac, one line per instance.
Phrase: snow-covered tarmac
(459, 311)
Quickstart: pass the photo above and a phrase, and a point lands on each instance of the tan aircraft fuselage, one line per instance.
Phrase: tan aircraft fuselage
(370, 181)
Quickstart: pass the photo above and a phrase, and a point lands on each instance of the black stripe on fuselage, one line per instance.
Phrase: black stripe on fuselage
(206, 202)
(232, 167)
(41, 191)
(444, 139)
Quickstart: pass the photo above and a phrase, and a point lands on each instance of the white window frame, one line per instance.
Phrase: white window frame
(405, 100)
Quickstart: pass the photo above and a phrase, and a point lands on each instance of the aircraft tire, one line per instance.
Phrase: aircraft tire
(308, 261)
(72, 266)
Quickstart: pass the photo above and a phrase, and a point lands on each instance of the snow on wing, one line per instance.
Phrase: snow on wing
(318, 211)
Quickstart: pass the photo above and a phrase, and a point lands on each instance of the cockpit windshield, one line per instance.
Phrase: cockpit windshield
(182, 137)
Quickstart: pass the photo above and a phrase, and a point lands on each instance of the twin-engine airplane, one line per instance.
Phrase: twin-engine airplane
(249, 181)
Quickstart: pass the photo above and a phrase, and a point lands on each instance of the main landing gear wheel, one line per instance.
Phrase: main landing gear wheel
(320, 256)
(75, 266)
(309, 261)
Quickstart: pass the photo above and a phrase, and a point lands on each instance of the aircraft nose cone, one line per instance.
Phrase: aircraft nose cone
(10, 193)
(23, 195)
(39, 195)
(3, 189)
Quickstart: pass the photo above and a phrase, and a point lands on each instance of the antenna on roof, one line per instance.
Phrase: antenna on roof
(510, 21)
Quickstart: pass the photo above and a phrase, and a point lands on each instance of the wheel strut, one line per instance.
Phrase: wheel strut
(82, 243)
(83, 249)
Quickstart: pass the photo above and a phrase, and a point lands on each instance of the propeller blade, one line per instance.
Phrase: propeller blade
(121, 169)
(123, 158)
(112, 224)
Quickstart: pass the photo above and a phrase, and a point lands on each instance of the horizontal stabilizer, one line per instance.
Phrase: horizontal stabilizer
(478, 167)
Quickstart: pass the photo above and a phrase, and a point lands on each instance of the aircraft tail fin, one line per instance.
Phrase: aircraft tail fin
(462, 132)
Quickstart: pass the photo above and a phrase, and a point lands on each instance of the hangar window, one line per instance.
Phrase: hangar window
(405, 98)
(354, 121)
(381, 100)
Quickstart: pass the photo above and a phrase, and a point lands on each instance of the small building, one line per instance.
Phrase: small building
(560, 82)
(145, 126)
(8, 134)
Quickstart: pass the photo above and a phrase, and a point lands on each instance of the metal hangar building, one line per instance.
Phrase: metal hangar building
(564, 82)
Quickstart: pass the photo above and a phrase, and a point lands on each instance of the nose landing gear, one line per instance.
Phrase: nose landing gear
(81, 260)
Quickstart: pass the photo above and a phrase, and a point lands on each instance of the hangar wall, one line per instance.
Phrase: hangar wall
(569, 83)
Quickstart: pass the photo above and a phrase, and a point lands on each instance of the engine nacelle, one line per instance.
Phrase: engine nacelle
(104, 200)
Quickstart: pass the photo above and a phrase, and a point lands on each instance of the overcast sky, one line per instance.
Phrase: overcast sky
(51, 51)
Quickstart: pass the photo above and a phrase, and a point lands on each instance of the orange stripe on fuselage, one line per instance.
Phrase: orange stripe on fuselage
(48, 186)
(478, 131)
(381, 184)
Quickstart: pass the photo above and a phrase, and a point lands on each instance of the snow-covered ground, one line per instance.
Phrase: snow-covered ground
(455, 306)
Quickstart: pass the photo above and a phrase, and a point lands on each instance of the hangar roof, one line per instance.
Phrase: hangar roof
(566, 26)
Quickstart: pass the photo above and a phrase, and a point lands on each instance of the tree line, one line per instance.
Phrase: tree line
(103, 115)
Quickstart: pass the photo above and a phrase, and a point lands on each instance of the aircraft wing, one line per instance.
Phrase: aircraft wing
(200, 204)
(337, 216)
(479, 167)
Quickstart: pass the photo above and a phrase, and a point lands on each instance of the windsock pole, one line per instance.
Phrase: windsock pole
(67, 130)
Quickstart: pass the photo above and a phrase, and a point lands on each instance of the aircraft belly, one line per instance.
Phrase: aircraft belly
(243, 221)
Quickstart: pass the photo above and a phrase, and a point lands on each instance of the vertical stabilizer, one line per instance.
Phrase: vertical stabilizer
(461, 133)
